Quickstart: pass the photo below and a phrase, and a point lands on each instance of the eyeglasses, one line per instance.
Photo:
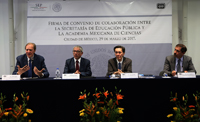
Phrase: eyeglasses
(77, 51)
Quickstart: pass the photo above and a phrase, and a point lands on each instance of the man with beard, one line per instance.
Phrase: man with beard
(178, 62)
(119, 64)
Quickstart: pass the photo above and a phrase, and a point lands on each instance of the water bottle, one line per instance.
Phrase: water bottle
(57, 73)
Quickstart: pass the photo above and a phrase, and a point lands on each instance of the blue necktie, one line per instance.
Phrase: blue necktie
(30, 70)
(120, 66)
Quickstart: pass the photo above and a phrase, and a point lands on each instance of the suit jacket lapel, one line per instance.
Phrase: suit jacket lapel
(25, 62)
(115, 63)
(173, 63)
(184, 62)
(81, 64)
(123, 63)
(73, 65)
(34, 61)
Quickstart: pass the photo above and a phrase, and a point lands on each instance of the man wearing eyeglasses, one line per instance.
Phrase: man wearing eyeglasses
(119, 64)
(78, 64)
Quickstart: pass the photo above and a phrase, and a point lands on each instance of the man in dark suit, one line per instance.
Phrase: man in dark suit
(31, 64)
(77, 64)
(119, 64)
(178, 62)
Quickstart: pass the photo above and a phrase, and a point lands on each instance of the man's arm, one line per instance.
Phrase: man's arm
(110, 69)
(16, 68)
(167, 68)
(19, 68)
(66, 68)
(87, 70)
(44, 69)
(128, 67)
(191, 66)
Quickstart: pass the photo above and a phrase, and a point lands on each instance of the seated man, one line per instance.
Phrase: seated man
(77, 64)
(178, 62)
(31, 64)
(119, 64)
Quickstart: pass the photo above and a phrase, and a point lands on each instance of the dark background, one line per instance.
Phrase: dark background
(57, 100)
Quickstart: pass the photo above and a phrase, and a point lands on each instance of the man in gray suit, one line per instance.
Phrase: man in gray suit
(78, 64)
(178, 62)
(119, 64)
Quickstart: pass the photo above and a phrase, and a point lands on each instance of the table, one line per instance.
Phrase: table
(54, 100)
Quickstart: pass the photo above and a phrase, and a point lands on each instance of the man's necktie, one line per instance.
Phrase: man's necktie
(179, 65)
(120, 67)
(77, 66)
(30, 70)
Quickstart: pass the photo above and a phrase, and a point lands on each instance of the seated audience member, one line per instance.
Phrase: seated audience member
(31, 64)
(119, 64)
(178, 62)
(78, 64)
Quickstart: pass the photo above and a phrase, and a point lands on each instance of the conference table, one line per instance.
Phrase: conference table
(56, 100)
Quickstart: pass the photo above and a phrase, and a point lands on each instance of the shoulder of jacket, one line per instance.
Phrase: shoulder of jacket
(128, 59)
(21, 56)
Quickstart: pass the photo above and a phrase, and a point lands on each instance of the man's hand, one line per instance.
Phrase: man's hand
(23, 69)
(38, 72)
(173, 73)
(77, 72)
(118, 72)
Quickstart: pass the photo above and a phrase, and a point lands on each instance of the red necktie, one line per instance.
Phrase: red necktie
(77, 66)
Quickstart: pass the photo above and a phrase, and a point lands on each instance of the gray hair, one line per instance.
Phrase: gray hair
(79, 47)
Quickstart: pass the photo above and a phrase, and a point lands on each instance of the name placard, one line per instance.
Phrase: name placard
(187, 75)
(70, 76)
(129, 75)
(11, 77)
